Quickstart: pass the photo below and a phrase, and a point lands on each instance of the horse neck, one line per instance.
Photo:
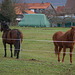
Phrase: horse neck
(6, 30)
(69, 35)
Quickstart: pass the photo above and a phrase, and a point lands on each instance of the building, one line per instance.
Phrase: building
(35, 7)
(70, 7)
(32, 8)
(38, 7)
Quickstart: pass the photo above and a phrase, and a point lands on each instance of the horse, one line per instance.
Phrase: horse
(12, 37)
(63, 40)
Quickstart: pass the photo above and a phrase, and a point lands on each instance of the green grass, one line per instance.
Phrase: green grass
(36, 57)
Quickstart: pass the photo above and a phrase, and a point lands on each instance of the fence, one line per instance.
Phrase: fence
(51, 41)
(31, 45)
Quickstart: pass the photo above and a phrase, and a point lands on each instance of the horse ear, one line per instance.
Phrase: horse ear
(72, 27)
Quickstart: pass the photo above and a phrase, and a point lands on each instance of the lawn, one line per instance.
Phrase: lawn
(37, 56)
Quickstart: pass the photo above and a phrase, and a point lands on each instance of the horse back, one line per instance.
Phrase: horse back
(57, 35)
(10, 36)
(15, 33)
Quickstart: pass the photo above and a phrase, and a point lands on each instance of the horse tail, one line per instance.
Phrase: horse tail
(55, 44)
(56, 48)
(18, 39)
(17, 44)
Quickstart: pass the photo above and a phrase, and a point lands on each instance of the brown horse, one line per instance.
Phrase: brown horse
(12, 37)
(64, 40)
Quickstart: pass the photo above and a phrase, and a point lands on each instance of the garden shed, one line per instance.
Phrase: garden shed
(34, 20)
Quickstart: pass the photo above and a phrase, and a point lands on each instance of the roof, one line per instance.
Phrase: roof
(21, 7)
(18, 11)
(60, 8)
(70, 6)
(38, 5)
(34, 5)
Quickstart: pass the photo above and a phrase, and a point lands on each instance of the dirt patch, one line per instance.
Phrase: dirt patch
(32, 59)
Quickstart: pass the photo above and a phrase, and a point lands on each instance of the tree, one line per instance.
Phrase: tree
(7, 10)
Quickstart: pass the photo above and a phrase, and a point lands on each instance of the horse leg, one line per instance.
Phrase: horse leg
(71, 49)
(64, 53)
(15, 50)
(59, 54)
(11, 50)
(5, 49)
(18, 51)
(18, 54)
(56, 49)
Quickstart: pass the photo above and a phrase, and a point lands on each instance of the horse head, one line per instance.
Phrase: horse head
(4, 26)
(73, 32)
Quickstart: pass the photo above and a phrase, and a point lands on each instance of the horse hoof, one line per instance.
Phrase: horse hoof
(4, 56)
(17, 58)
(11, 56)
(59, 61)
(14, 54)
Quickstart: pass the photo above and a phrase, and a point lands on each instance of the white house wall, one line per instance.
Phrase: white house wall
(32, 10)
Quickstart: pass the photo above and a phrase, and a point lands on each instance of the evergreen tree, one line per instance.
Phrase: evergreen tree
(7, 10)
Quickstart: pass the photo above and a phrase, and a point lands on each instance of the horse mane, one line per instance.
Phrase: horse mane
(6, 27)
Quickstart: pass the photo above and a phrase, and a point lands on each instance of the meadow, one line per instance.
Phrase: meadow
(37, 56)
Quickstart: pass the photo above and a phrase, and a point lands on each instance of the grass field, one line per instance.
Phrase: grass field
(37, 56)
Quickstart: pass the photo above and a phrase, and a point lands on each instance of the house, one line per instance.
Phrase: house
(38, 7)
(33, 8)
(29, 12)
(65, 15)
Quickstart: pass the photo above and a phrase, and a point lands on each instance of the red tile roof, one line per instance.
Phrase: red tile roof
(18, 11)
(38, 5)
(60, 9)
(70, 6)
(34, 5)
(22, 6)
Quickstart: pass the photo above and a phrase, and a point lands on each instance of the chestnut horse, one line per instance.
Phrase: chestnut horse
(64, 40)
(12, 37)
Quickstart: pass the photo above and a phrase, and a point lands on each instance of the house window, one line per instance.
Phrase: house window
(35, 10)
(39, 10)
(43, 10)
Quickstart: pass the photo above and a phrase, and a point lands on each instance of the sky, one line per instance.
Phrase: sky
(53, 2)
